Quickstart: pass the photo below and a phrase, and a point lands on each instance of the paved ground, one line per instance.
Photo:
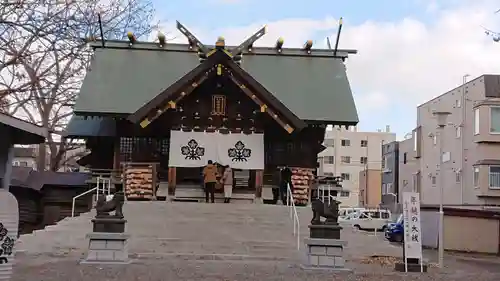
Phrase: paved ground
(186, 241)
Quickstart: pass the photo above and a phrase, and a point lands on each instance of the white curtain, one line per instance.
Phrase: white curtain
(191, 149)
(194, 149)
(241, 151)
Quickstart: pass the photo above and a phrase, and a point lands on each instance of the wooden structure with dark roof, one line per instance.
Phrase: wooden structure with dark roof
(135, 93)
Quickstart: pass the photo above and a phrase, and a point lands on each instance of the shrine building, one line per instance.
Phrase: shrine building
(167, 108)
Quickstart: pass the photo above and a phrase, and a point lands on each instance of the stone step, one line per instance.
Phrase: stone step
(191, 229)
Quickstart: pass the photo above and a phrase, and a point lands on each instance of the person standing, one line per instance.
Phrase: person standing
(227, 181)
(210, 178)
(285, 181)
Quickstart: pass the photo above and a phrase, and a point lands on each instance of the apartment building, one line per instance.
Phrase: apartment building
(409, 177)
(370, 182)
(390, 174)
(347, 153)
(469, 166)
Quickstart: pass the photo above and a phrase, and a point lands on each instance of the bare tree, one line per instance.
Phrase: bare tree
(44, 55)
(494, 34)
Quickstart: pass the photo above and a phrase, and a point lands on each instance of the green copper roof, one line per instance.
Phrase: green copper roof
(122, 80)
(79, 126)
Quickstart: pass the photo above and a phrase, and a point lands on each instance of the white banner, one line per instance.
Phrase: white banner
(412, 227)
(241, 151)
(191, 149)
(194, 149)
(9, 222)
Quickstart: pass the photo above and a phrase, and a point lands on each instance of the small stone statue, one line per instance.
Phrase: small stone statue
(104, 208)
(330, 211)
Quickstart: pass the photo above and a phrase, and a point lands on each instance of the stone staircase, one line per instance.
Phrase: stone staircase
(190, 230)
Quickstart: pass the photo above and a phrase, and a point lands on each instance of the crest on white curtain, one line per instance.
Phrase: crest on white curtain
(191, 149)
(241, 151)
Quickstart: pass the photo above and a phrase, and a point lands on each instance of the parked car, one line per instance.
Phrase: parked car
(375, 219)
(344, 212)
(394, 231)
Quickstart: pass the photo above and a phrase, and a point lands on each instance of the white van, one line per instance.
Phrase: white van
(375, 219)
(345, 212)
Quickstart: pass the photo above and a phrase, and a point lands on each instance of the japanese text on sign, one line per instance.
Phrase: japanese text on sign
(412, 227)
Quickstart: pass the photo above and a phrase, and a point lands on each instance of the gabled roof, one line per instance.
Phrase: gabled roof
(79, 126)
(222, 58)
(122, 79)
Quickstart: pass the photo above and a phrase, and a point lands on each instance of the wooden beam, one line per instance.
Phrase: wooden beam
(172, 180)
(259, 182)
(172, 104)
(190, 36)
(263, 107)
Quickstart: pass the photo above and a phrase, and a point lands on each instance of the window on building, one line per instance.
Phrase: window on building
(384, 189)
(329, 159)
(434, 139)
(494, 175)
(495, 119)
(363, 160)
(388, 188)
(364, 143)
(344, 194)
(345, 176)
(458, 131)
(458, 103)
(404, 157)
(345, 159)
(433, 180)
(476, 121)
(457, 177)
(475, 179)
(383, 162)
(346, 142)
(329, 142)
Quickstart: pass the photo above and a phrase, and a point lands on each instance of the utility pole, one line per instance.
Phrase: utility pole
(441, 122)
(462, 136)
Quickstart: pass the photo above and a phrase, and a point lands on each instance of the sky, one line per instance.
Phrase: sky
(408, 51)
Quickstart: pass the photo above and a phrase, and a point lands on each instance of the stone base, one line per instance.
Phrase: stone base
(325, 231)
(107, 248)
(109, 224)
(412, 267)
(325, 253)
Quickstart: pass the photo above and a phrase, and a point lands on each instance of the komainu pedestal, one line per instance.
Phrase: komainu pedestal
(324, 249)
(108, 241)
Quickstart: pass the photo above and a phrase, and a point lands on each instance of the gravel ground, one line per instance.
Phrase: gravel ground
(43, 267)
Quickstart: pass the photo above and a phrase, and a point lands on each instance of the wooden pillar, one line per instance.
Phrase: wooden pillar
(6, 154)
(172, 180)
(259, 182)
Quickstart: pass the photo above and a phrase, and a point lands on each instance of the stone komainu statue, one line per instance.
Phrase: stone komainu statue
(330, 211)
(104, 208)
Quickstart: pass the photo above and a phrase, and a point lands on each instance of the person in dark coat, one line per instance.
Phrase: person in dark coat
(285, 179)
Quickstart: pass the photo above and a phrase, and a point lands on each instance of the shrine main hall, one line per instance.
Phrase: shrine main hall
(164, 109)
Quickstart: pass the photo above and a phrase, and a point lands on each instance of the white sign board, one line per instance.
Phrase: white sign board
(412, 227)
(9, 221)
